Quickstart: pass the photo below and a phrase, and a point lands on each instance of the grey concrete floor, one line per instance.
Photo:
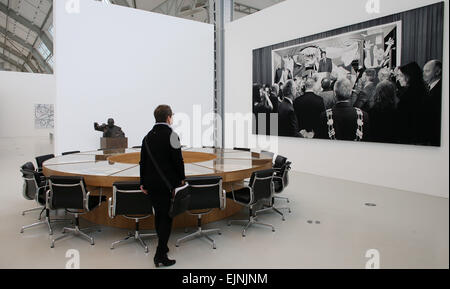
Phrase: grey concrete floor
(409, 230)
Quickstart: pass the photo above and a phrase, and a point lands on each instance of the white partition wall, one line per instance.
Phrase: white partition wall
(418, 169)
(19, 93)
(119, 62)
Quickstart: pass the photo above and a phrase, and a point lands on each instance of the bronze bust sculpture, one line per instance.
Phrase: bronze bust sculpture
(110, 130)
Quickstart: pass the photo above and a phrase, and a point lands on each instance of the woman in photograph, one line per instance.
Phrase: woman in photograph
(410, 111)
(382, 115)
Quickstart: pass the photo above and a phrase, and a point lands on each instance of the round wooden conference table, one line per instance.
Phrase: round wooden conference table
(101, 169)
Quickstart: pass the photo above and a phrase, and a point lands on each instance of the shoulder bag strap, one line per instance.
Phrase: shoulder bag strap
(163, 177)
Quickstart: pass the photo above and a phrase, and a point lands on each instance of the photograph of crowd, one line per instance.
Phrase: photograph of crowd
(353, 86)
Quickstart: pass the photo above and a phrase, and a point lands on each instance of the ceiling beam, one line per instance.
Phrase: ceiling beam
(40, 60)
(121, 3)
(18, 55)
(50, 10)
(242, 8)
(10, 61)
(28, 24)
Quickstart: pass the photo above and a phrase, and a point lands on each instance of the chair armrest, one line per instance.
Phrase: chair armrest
(224, 200)
(48, 199)
(86, 201)
(100, 198)
(110, 207)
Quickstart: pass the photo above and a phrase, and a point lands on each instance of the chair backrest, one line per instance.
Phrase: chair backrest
(279, 162)
(41, 159)
(70, 153)
(286, 173)
(68, 192)
(129, 200)
(242, 149)
(30, 182)
(261, 184)
(206, 193)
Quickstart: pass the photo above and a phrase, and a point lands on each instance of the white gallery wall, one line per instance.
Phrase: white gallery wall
(418, 169)
(19, 92)
(113, 61)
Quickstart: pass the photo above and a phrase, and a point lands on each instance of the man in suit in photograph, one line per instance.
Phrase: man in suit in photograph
(309, 107)
(325, 64)
(432, 75)
(344, 121)
(165, 147)
(287, 120)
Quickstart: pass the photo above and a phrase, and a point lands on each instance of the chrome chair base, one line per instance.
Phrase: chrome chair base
(35, 209)
(283, 198)
(276, 210)
(199, 234)
(135, 237)
(48, 222)
(77, 232)
(250, 222)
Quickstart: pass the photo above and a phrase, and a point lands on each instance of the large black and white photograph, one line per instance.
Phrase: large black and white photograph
(378, 81)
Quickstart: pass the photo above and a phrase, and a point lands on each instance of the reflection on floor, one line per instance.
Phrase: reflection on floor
(329, 227)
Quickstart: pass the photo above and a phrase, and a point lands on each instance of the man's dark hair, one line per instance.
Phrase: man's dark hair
(162, 112)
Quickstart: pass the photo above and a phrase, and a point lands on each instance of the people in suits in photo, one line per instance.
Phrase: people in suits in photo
(327, 93)
(383, 115)
(344, 116)
(432, 75)
(165, 147)
(325, 63)
(412, 114)
(287, 120)
(309, 107)
(366, 95)
(278, 74)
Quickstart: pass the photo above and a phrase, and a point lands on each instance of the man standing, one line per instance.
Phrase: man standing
(344, 122)
(287, 120)
(165, 148)
(366, 97)
(432, 75)
(325, 64)
(308, 108)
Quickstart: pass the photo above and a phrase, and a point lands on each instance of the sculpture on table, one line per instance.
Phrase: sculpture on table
(113, 136)
(110, 130)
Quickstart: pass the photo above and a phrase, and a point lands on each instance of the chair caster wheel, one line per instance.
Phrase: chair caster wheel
(177, 246)
(283, 219)
(220, 233)
(21, 231)
(273, 231)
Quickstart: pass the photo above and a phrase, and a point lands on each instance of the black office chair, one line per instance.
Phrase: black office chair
(29, 191)
(130, 202)
(279, 181)
(279, 162)
(260, 187)
(242, 149)
(70, 153)
(70, 193)
(206, 194)
(41, 159)
(34, 188)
